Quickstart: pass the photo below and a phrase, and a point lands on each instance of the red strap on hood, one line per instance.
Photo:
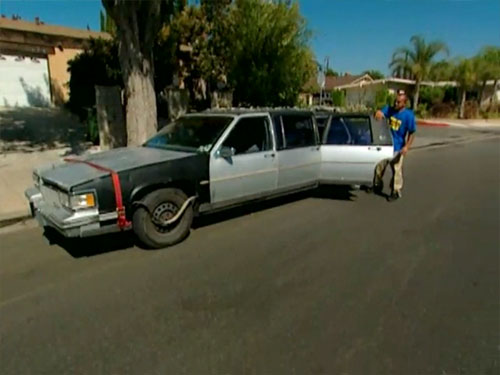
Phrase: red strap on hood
(120, 209)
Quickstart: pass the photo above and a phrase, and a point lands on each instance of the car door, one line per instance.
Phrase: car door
(352, 147)
(243, 163)
(299, 154)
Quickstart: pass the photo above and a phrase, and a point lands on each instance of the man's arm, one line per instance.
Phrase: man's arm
(412, 128)
(382, 113)
(409, 141)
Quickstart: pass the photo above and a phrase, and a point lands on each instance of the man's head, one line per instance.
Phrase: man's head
(400, 102)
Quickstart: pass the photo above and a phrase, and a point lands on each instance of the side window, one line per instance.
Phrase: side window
(299, 131)
(359, 129)
(349, 131)
(338, 133)
(249, 135)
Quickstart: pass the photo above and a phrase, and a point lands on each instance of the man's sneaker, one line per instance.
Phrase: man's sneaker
(377, 189)
(394, 196)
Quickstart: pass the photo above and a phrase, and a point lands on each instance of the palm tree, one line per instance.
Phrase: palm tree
(466, 75)
(417, 60)
(488, 68)
(441, 71)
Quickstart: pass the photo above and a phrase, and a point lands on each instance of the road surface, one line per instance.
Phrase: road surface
(323, 283)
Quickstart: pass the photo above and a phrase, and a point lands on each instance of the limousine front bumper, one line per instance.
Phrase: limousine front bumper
(69, 223)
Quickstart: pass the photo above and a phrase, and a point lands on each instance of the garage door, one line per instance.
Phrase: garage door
(24, 82)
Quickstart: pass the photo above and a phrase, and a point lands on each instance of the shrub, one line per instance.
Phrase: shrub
(92, 126)
(450, 94)
(97, 65)
(431, 95)
(422, 110)
(442, 110)
(338, 98)
(471, 109)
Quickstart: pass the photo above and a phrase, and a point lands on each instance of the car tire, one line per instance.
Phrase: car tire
(157, 203)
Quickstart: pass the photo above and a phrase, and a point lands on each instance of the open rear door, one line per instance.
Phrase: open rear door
(352, 147)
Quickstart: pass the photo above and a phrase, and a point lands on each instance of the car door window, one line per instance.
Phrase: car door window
(349, 131)
(338, 133)
(359, 130)
(249, 135)
(299, 131)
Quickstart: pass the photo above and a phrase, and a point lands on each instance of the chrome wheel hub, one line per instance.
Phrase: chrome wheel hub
(162, 213)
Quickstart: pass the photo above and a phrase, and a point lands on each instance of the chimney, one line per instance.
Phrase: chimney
(37, 20)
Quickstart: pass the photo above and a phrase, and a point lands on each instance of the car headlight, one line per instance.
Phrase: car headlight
(78, 201)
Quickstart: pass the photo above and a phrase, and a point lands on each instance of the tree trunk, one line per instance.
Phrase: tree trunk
(136, 31)
(463, 98)
(494, 95)
(481, 93)
(139, 94)
(112, 131)
(416, 95)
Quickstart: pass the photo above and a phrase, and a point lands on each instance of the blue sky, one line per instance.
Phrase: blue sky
(355, 34)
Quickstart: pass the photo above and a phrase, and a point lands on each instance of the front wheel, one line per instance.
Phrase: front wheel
(149, 224)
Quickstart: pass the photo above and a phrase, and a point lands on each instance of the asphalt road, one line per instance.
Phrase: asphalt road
(310, 284)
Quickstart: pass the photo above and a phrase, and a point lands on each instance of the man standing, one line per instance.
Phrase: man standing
(403, 128)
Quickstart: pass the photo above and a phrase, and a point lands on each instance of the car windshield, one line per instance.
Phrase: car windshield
(190, 133)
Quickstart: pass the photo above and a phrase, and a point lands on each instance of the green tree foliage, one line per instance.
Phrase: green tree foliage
(271, 59)
(441, 71)
(375, 74)
(331, 73)
(487, 63)
(417, 60)
(466, 75)
(107, 24)
(432, 95)
(383, 97)
(96, 65)
(338, 98)
(195, 47)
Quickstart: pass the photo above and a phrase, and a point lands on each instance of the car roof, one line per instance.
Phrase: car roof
(271, 111)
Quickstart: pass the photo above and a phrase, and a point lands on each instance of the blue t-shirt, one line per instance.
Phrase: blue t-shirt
(401, 123)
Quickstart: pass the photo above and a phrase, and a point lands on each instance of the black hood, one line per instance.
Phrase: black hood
(67, 175)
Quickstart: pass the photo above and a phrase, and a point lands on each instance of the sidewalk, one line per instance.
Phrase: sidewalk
(16, 176)
(30, 137)
(470, 124)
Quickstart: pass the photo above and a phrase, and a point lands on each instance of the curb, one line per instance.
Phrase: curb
(432, 123)
(13, 219)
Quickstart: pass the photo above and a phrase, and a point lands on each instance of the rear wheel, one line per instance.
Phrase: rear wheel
(150, 223)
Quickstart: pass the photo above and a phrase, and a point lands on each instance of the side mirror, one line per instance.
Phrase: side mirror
(226, 152)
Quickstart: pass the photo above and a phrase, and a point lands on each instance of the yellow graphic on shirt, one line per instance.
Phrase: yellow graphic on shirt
(395, 123)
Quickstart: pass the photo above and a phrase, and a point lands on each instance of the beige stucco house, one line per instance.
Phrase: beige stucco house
(363, 93)
(34, 61)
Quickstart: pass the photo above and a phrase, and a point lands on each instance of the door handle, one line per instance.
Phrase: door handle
(378, 148)
(272, 155)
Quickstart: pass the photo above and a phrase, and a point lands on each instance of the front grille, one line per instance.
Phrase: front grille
(50, 195)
